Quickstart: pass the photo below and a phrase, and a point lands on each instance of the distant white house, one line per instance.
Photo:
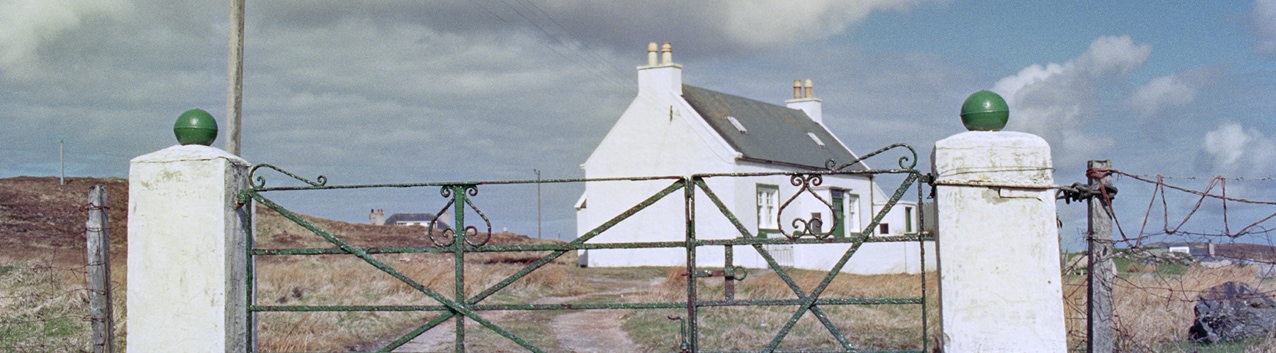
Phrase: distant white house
(377, 217)
(672, 129)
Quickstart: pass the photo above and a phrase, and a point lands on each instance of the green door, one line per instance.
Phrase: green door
(839, 229)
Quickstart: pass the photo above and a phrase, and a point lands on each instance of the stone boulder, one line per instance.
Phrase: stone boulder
(1232, 311)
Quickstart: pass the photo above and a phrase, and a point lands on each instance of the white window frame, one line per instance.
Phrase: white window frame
(768, 207)
(852, 204)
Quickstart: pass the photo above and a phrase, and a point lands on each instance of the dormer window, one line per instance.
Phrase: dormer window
(736, 122)
(817, 139)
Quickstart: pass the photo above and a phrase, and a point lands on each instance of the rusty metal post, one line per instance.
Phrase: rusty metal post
(1100, 332)
(99, 261)
(728, 273)
(689, 193)
(458, 243)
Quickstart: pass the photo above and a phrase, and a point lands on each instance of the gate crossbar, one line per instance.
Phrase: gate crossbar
(462, 307)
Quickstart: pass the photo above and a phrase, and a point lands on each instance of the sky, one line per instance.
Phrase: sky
(393, 91)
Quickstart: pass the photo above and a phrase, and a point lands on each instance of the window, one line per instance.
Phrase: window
(853, 213)
(817, 139)
(884, 229)
(736, 122)
(816, 224)
(768, 205)
(908, 219)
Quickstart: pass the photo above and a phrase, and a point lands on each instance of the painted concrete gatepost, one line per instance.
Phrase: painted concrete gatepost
(999, 278)
(186, 245)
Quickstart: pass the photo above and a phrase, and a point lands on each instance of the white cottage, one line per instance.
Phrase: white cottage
(672, 129)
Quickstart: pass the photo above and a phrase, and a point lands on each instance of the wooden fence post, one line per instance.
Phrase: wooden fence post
(1100, 332)
(99, 268)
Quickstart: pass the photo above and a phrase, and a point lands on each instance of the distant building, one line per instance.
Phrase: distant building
(406, 219)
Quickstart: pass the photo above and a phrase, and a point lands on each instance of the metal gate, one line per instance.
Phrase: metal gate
(468, 237)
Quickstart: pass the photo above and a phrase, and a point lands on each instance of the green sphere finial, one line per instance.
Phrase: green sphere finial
(195, 127)
(984, 111)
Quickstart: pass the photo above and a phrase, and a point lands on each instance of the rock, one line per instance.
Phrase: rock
(1232, 311)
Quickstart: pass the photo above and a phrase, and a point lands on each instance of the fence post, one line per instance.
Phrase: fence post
(1100, 332)
(187, 251)
(99, 268)
(999, 279)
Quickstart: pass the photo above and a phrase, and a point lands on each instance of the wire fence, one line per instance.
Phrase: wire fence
(1174, 242)
(46, 300)
(46, 308)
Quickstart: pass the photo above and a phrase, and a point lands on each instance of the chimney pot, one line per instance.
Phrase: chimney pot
(651, 54)
(809, 89)
(797, 89)
(666, 53)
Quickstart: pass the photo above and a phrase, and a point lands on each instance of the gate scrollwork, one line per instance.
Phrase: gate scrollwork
(812, 227)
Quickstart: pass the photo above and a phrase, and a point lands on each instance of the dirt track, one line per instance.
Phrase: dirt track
(578, 331)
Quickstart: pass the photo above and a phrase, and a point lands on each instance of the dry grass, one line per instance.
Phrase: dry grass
(46, 309)
(1153, 311)
(871, 327)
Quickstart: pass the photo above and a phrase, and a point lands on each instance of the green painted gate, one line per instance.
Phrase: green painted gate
(464, 237)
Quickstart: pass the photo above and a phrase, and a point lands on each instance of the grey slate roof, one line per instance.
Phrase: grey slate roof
(775, 134)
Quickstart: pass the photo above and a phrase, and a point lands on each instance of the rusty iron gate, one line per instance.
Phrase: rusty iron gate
(463, 237)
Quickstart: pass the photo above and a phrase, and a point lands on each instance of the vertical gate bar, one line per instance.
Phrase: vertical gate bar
(458, 247)
(728, 273)
(921, 250)
(247, 210)
(690, 200)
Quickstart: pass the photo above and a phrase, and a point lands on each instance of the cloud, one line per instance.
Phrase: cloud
(1162, 93)
(763, 24)
(1263, 26)
(1233, 147)
(27, 24)
(1056, 101)
(716, 27)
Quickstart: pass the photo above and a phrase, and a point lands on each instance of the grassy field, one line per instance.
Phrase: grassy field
(42, 292)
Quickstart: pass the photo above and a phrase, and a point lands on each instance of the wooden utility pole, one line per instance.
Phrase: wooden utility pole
(99, 268)
(1100, 332)
(61, 162)
(235, 77)
(538, 203)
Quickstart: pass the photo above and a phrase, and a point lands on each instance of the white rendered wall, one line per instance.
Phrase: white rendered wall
(186, 263)
(659, 134)
(999, 276)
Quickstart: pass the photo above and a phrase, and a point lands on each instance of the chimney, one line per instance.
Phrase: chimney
(377, 217)
(666, 76)
(804, 100)
(666, 54)
(651, 54)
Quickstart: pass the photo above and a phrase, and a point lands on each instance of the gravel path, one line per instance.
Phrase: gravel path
(579, 331)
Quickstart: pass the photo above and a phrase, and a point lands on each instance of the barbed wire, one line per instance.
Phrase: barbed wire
(1154, 289)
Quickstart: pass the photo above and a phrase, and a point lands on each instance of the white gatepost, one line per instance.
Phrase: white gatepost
(186, 251)
(999, 278)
